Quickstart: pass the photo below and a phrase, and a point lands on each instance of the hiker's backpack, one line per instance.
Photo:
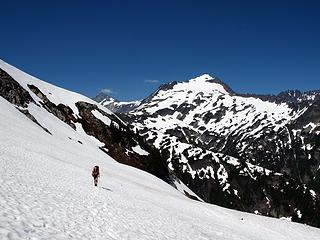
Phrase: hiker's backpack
(95, 171)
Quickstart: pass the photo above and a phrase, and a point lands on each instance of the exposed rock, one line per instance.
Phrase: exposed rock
(12, 91)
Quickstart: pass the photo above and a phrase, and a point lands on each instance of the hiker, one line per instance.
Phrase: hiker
(95, 174)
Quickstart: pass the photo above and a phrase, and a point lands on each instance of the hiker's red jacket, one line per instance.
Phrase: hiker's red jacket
(95, 173)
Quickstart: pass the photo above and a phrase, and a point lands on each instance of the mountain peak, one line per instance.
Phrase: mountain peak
(104, 96)
(203, 77)
(207, 78)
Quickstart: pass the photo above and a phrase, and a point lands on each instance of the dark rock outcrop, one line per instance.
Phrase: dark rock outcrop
(119, 140)
(11, 90)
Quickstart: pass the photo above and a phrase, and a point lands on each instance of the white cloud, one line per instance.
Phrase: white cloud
(151, 81)
(107, 91)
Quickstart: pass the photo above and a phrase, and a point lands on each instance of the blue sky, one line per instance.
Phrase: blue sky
(131, 47)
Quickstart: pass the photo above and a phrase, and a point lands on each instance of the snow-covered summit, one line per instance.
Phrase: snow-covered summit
(204, 83)
(202, 78)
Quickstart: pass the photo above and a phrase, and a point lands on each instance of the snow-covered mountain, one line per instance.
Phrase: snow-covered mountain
(47, 152)
(46, 192)
(115, 105)
(249, 152)
(50, 140)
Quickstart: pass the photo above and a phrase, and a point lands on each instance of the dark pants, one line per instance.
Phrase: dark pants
(95, 181)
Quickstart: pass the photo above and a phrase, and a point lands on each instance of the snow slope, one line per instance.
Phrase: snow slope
(46, 192)
(53, 93)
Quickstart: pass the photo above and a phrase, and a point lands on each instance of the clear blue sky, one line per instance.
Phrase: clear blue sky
(85, 46)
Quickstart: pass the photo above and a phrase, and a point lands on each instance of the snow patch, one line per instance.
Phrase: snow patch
(100, 116)
(139, 150)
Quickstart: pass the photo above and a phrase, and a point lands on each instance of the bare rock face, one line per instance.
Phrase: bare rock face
(17, 95)
(119, 138)
(12, 91)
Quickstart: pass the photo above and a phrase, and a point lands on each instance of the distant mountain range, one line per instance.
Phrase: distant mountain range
(255, 153)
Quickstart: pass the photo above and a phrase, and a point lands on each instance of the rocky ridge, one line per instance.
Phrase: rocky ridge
(41, 101)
